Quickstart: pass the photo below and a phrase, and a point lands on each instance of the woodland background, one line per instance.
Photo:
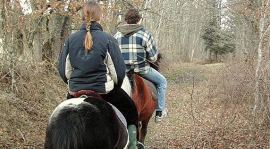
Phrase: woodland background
(215, 57)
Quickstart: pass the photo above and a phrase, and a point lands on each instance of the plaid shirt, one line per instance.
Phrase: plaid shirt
(137, 49)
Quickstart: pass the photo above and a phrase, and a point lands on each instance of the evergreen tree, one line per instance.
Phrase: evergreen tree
(218, 37)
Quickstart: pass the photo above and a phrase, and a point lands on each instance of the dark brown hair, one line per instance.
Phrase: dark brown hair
(91, 12)
(132, 16)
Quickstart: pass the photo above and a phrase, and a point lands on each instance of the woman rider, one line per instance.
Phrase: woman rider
(91, 60)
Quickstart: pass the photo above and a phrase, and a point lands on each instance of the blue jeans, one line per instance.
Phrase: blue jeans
(161, 84)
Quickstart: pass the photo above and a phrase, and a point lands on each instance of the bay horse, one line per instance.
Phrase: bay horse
(144, 95)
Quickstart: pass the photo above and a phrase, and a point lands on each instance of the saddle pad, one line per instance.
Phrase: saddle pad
(124, 122)
(119, 114)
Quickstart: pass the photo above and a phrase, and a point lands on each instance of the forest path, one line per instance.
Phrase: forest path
(175, 131)
(23, 120)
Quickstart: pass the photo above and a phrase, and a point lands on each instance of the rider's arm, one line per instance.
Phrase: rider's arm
(62, 61)
(151, 49)
(115, 62)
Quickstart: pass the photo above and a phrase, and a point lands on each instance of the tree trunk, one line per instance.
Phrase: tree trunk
(263, 32)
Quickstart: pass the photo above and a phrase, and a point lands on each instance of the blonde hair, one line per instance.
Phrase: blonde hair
(91, 12)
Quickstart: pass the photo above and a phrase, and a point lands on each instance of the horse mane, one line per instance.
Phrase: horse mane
(90, 124)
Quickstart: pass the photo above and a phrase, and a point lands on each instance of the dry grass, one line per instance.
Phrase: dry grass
(210, 107)
(25, 111)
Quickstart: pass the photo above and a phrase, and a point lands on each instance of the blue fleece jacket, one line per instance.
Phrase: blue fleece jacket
(100, 69)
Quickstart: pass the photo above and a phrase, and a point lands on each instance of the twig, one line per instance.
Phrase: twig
(191, 98)
(4, 76)
(21, 135)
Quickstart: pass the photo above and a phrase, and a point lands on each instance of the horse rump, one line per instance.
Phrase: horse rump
(89, 124)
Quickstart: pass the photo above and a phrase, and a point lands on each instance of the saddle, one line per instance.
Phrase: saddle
(86, 93)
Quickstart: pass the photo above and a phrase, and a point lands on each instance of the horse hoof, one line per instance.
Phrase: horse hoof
(140, 145)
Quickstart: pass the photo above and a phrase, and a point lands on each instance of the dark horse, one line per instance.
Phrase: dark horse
(86, 123)
(92, 123)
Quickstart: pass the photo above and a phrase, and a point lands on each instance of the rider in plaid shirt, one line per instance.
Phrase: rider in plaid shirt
(138, 48)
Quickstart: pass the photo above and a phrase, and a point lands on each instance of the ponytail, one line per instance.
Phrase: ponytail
(88, 41)
(92, 12)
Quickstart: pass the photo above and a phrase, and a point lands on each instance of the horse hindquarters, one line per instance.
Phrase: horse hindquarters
(90, 124)
(143, 98)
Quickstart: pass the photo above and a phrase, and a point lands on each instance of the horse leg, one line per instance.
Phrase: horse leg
(140, 145)
(139, 130)
(143, 131)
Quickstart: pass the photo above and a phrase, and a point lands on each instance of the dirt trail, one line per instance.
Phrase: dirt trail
(176, 131)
